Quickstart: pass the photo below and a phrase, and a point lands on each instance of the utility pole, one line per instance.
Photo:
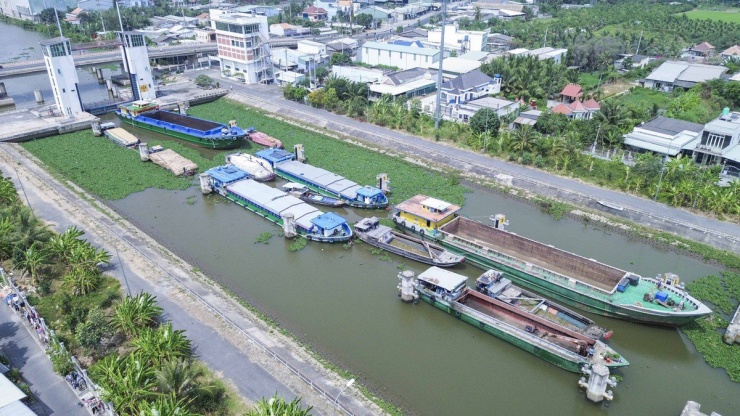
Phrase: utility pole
(441, 59)
(544, 43)
(638, 44)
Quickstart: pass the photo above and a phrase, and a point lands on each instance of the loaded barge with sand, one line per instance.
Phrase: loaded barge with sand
(295, 216)
(205, 133)
(372, 232)
(559, 345)
(563, 276)
(322, 181)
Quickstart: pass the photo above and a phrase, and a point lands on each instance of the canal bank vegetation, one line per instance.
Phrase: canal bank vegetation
(723, 292)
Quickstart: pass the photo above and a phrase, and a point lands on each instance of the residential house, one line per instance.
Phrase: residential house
(673, 74)
(378, 13)
(411, 11)
(286, 29)
(403, 57)
(454, 67)
(315, 14)
(460, 40)
(73, 17)
(359, 73)
(573, 106)
(570, 93)
(204, 19)
(703, 50)
(719, 143)
(499, 43)
(464, 112)
(733, 52)
(289, 77)
(664, 136)
(461, 90)
(556, 54)
(528, 118)
(638, 61)
(206, 34)
(409, 83)
(242, 45)
(330, 6)
(347, 46)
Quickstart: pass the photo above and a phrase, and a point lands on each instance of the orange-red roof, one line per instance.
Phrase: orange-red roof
(703, 47)
(592, 104)
(562, 108)
(731, 51)
(572, 90)
(414, 206)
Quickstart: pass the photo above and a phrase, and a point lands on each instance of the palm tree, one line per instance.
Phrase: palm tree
(136, 313)
(126, 381)
(523, 139)
(162, 343)
(177, 377)
(82, 282)
(8, 194)
(28, 229)
(165, 406)
(613, 112)
(33, 259)
(278, 406)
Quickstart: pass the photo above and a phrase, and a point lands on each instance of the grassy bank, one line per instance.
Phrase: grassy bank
(730, 15)
(723, 292)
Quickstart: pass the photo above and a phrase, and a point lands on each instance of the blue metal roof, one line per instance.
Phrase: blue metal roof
(369, 191)
(275, 155)
(328, 221)
(227, 174)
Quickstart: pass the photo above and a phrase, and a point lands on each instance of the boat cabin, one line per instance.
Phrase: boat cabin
(443, 283)
(424, 213)
(371, 196)
(329, 224)
(492, 283)
(275, 156)
(225, 175)
(367, 224)
(137, 107)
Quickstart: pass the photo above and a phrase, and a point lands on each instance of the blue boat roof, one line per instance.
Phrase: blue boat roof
(369, 191)
(228, 173)
(275, 155)
(328, 221)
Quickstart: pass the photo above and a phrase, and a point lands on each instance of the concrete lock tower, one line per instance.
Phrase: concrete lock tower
(136, 63)
(60, 66)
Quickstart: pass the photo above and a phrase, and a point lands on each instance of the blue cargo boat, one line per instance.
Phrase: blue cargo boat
(323, 181)
(206, 133)
(295, 216)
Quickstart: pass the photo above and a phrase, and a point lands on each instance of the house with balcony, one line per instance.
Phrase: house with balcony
(663, 136)
(461, 41)
(243, 46)
(718, 143)
(459, 91)
(315, 14)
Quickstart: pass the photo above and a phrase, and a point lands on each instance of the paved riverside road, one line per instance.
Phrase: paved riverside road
(52, 393)
(726, 235)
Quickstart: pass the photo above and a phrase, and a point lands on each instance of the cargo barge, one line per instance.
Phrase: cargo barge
(557, 274)
(205, 133)
(323, 181)
(263, 139)
(556, 344)
(372, 232)
(295, 216)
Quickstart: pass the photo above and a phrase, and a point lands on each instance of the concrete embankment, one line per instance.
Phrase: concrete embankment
(481, 167)
(228, 337)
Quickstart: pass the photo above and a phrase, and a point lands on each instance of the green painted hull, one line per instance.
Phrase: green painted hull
(579, 296)
(573, 366)
(211, 144)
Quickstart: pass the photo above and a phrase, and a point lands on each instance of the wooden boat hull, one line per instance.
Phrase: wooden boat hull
(318, 199)
(563, 289)
(227, 143)
(406, 253)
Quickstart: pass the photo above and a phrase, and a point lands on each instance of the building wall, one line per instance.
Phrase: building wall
(476, 41)
(63, 78)
(29, 9)
(402, 60)
(245, 53)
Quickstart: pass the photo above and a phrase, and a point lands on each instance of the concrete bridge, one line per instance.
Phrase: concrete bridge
(97, 58)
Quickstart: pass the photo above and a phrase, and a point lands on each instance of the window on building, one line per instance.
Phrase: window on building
(136, 40)
(58, 49)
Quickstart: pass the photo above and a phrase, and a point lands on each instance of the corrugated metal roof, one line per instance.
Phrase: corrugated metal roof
(445, 279)
(303, 214)
(321, 177)
(399, 48)
(668, 71)
(9, 393)
(670, 126)
(701, 73)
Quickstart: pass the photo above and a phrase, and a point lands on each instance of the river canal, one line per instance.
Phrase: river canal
(343, 303)
(24, 45)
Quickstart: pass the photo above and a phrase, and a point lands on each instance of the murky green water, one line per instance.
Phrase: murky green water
(343, 302)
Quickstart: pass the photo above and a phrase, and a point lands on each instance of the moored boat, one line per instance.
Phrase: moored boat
(560, 275)
(303, 193)
(372, 232)
(556, 344)
(295, 216)
(263, 139)
(257, 168)
(323, 181)
(121, 137)
(206, 133)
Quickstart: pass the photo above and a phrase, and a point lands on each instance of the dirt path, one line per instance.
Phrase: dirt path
(231, 339)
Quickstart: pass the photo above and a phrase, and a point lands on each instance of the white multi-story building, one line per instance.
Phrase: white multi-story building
(60, 66)
(30, 9)
(402, 57)
(242, 45)
(136, 62)
(460, 40)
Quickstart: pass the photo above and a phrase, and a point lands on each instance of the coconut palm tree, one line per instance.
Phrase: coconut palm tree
(33, 259)
(135, 313)
(523, 139)
(177, 377)
(278, 406)
(27, 229)
(162, 343)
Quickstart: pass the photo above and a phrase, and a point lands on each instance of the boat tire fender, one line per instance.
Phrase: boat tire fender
(413, 228)
(433, 299)
(457, 314)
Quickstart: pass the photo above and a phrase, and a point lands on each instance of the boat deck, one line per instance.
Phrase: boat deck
(171, 160)
(121, 137)
(541, 255)
(181, 120)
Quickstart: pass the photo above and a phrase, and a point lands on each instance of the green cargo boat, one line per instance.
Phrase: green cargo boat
(554, 343)
(557, 274)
